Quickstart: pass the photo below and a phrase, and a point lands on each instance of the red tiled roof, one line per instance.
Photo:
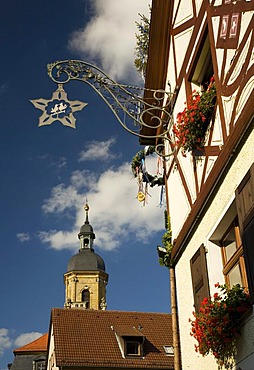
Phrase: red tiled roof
(127, 330)
(88, 338)
(38, 345)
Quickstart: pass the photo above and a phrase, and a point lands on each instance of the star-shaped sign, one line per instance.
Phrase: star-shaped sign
(58, 108)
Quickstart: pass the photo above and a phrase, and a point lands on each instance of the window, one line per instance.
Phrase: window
(169, 350)
(86, 298)
(245, 209)
(202, 70)
(232, 256)
(39, 363)
(130, 340)
(133, 345)
(132, 348)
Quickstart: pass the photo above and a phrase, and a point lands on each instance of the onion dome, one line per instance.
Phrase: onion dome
(86, 259)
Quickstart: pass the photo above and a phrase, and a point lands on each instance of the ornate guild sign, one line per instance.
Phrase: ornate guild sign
(58, 108)
(137, 109)
(230, 22)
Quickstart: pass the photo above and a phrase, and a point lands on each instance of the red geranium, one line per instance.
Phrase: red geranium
(215, 325)
(191, 124)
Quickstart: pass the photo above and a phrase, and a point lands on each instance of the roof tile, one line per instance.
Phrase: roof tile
(38, 345)
(88, 337)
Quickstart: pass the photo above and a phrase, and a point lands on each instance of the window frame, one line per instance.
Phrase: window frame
(169, 350)
(39, 364)
(237, 258)
(137, 341)
(202, 69)
(132, 343)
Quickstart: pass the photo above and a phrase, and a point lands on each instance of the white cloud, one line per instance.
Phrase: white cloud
(82, 179)
(26, 338)
(96, 150)
(115, 213)
(59, 240)
(62, 198)
(5, 341)
(23, 237)
(110, 37)
(58, 162)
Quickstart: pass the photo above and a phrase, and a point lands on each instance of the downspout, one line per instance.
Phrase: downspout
(173, 299)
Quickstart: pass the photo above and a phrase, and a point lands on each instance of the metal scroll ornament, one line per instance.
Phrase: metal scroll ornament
(133, 112)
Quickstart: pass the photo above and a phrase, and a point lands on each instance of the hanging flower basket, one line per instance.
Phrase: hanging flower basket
(192, 124)
(216, 324)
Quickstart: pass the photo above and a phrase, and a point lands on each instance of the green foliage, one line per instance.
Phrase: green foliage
(136, 162)
(167, 243)
(138, 167)
(141, 49)
(216, 323)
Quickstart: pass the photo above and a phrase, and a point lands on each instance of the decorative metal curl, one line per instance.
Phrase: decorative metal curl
(131, 110)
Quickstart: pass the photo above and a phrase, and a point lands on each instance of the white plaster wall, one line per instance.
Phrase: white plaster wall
(184, 11)
(181, 44)
(191, 360)
(245, 344)
(51, 351)
(171, 76)
(178, 203)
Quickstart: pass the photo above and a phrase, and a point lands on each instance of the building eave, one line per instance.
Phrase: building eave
(158, 54)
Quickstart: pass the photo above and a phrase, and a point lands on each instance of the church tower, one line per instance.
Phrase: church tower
(86, 278)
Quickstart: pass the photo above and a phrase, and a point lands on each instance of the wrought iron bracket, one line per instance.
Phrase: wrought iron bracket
(137, 109)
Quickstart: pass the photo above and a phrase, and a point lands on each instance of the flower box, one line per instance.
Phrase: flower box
(216, 324)
(192, 124)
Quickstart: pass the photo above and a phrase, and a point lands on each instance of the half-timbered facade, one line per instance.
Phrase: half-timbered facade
(209, 187)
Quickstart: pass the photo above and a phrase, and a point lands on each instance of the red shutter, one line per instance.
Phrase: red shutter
(199, 277)
(245, 210)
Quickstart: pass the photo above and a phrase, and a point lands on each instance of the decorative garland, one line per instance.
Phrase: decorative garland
(136, 162)
(139, 171)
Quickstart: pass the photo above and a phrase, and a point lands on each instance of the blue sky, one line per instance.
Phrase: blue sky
(48, 172)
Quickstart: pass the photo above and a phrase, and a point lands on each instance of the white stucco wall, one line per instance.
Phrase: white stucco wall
(179, 203)
(223, 198)
(51, 364)
(245, 345)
